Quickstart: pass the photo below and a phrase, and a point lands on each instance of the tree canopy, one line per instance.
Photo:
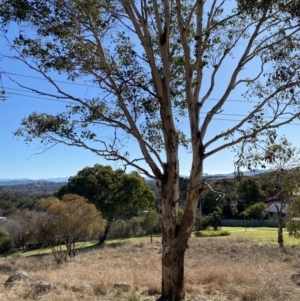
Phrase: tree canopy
(113, 192)
(249, 192)
(68, 221)
(293, 225)
(156, 62)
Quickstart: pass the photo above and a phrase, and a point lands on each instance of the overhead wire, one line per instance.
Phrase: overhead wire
(2, 92)
(70, 102)
(94, 86)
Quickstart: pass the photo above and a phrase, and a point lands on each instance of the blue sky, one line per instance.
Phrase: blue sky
(18, 160)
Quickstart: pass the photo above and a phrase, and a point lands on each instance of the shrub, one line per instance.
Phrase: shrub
(256, 211)
(212, 220)
(6, 243)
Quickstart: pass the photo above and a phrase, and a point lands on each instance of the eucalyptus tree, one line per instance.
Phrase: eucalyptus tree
(282, 181)
(156, 62)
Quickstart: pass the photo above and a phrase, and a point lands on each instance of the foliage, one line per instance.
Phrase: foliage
(150, 222)
(209, 202)
(284, 178)
(67, 222)
(256, 211)
(212, 220)
(154, 63)
(113, 192)
(293, 225)
(249, 192)
(229, 211)
(43, 204)
(6, 243)
(135, 225)
(15, 198)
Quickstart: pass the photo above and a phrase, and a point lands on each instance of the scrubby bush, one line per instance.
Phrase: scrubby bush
(212, 220)
(256, 211)
(6, 243)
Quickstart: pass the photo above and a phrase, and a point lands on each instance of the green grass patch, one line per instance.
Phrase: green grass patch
(257, 234)
(261, 234)
(212, 233)
(81, 246)
(86, 246)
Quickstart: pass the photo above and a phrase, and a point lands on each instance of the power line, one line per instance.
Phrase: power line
(94, 86)
(58, 81)
(70, 102)
(44, 98)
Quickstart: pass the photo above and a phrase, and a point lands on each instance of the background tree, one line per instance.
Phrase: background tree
(229, 210)
(209, 202)
(293, 224)
(18, 226)
(44, 203)
(256, 211)
(114, 193)
(68, 221)
(284, 178)
(150, 222)
(212, 220)
(6, 243)
(249, 193)
(154, 63)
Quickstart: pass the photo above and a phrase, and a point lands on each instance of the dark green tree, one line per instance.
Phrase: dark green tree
(229, 211)
(154, 63)
(114, 192)
(249, 193)
(6, 243)
(209, 202)
(256, 211)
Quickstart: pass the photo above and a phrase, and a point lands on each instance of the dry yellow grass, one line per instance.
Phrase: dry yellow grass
(216, 270)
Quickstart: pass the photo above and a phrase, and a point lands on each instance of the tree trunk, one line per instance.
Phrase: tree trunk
(173, 270)
(280, 235)
(103, 236)
(174, 242)
(280, 224)
(280, 227)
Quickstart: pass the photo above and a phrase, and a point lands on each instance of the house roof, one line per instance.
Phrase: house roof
(273, 207)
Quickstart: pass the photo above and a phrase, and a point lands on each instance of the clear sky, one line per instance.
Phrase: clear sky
(18, 160)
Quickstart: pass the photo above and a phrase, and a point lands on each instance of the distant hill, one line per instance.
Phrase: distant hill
(31, 188)
(254, 174)
(6, 182)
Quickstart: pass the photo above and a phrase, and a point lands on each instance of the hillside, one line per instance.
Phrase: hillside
(33, 188)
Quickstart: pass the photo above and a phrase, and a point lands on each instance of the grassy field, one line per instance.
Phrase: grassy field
(261, 234)
(256, 234)
(245, 266)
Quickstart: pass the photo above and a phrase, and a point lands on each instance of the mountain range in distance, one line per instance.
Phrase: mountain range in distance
(5, 182)
(64, 180)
